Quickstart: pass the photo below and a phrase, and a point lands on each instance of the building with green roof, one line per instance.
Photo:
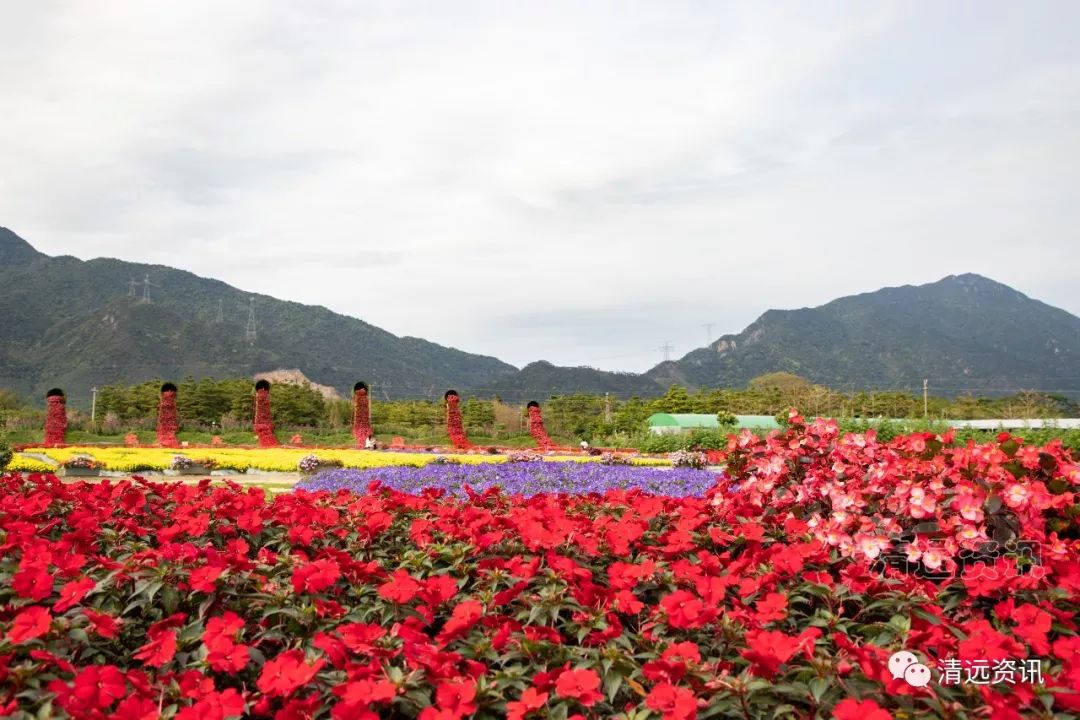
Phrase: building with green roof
(661, 423)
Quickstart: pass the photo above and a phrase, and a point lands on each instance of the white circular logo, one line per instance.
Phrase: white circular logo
(899, 662)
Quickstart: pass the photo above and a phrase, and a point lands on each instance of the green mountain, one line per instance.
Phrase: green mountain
(75, 324)
(962, 333)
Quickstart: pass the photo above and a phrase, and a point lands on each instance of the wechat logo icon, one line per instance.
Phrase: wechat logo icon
(905, 665)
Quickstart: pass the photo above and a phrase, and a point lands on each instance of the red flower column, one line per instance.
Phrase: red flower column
(167, 420)
(361, 414)
(454, 427)
(536, 426)
(264, 426)
(55, 418)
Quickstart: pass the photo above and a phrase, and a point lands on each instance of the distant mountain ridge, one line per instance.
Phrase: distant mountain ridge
(71, 323)
(964, 332)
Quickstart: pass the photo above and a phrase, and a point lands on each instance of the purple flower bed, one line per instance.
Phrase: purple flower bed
(526, 478)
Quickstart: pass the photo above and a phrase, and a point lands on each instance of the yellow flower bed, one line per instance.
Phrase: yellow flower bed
(22, 463)
(124, 459)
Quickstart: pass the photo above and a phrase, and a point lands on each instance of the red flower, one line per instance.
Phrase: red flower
(580, 685)
(362, 692)
(673, 703)
(438, 590)
(287, 673)
(361, 637)
(685, 611)
(983, 642)
(299, 709)
(99, 686)
(357, 696)
(104, 625)
(464, 617)
(316, 576)
(1032, 624)
(457, 697)
(214, 705)
(72, 594)
(400, 588)
(530, 701)
(34, 583)
(852, 709)
(454, 701)
(224, 655)
(770, 608)
(134, 707)
(32, 622)
(981, 579)
(767, 650)
(228, 625)
(683, 652)
(160, 649)
(203, 579)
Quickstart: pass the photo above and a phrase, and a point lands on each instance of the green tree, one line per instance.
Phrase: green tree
(478, 415)
(675, 400)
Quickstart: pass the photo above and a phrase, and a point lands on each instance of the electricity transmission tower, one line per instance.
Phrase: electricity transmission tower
(146, 289)
(708, 333)
(249, 333)
(131, 287)
(666, 348)
(220, 312)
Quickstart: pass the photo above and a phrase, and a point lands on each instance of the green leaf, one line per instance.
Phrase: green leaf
(818, 686)
(612, 684)
(932, 619)
(169, 599)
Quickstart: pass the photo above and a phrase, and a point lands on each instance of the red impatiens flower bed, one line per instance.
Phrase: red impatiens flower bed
(781, 594)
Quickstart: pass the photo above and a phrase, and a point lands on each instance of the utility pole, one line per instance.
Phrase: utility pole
(666, 348)
(607, 408)
(708, 333)
(925, 398)
(93, 403)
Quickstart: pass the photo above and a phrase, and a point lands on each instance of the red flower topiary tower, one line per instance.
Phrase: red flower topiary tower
(55, 418)
(536, 427)
(167, 421)
(361, 414)
(264, 426)
(454, 427)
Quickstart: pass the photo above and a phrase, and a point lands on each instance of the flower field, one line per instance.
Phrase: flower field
(519, 478)
(137, 459)
(782, 592)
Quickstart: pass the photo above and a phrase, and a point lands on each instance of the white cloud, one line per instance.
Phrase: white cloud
(645, 167)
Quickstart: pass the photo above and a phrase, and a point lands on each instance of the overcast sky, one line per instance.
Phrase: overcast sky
(578, 182)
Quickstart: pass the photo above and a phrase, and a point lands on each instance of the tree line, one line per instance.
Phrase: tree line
(228, 405)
